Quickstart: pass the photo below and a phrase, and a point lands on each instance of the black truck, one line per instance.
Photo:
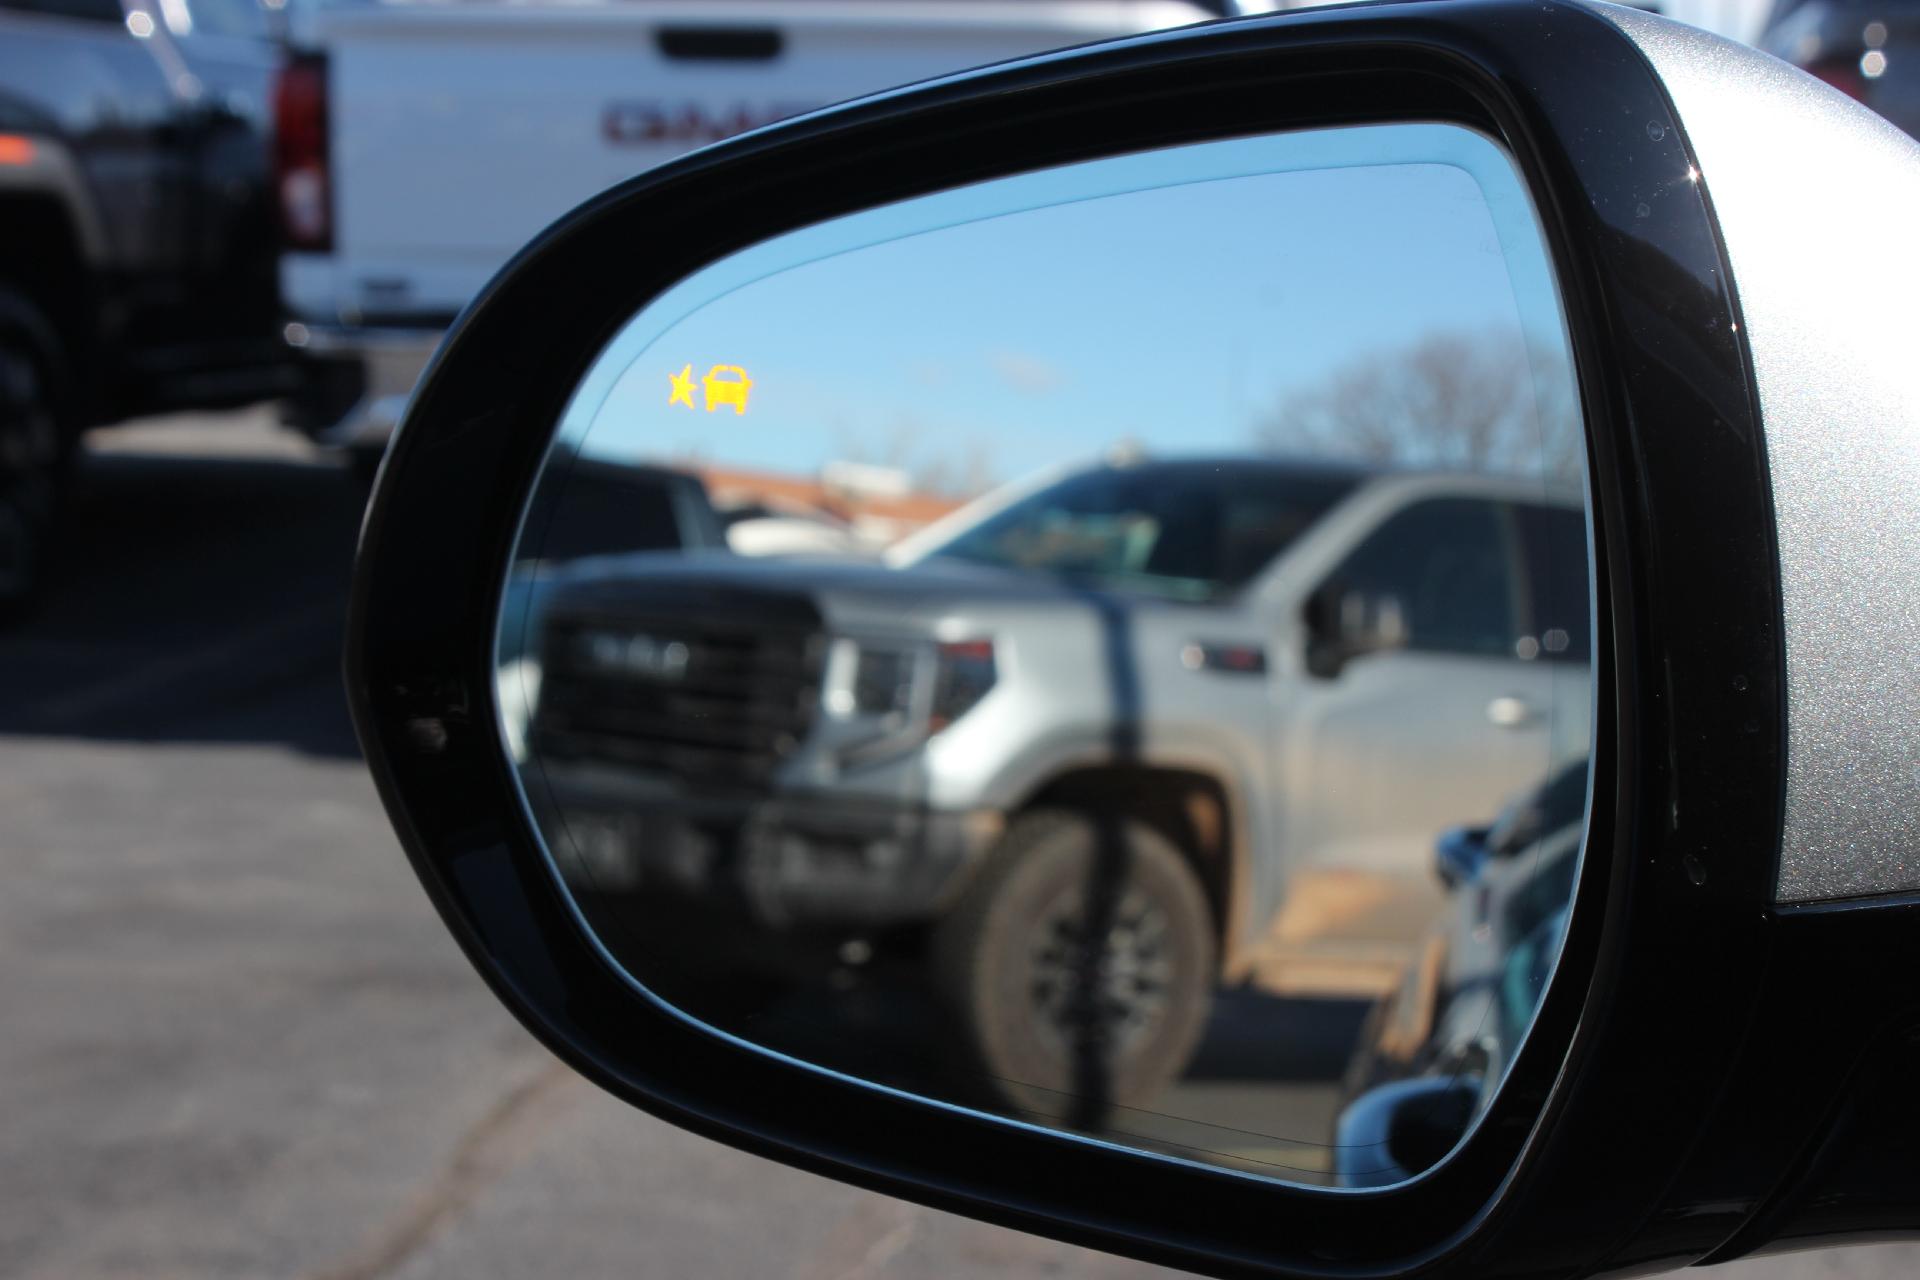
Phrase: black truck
(137, 238)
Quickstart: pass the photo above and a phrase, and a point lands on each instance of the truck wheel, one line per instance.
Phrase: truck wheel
(1080, 963)
(32, 448)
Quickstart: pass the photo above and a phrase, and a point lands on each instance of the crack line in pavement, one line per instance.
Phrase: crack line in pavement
(882, 1252)
(865, 1240)
(484, 1152)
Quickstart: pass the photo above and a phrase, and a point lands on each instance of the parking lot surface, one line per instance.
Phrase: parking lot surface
(233, 1039)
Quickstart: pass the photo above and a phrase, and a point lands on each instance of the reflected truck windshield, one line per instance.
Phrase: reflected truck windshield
(1189, 529)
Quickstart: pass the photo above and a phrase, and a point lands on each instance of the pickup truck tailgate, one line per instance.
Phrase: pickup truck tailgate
(461, 129)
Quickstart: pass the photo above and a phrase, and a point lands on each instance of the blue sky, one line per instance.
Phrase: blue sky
(1171, 301)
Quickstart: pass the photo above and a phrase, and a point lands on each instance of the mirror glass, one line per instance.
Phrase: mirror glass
(1109, 647)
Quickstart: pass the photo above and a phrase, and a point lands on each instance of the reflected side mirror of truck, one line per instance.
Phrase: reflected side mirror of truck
(1459, 854)
(1412, 1124)
(1344, 623)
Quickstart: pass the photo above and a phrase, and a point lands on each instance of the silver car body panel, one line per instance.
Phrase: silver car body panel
(1795, 167)
(1360, 770)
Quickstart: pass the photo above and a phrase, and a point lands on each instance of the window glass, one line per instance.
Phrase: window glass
(1191, 529)
(1445, 564)
(87, 10)
(1554, 544)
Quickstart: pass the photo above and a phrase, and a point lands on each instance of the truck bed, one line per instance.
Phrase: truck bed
(459, 130)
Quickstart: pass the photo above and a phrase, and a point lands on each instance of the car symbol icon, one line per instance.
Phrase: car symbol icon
(723, 390)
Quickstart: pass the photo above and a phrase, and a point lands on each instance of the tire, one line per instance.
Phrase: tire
(1063, 1030)
(33, 448)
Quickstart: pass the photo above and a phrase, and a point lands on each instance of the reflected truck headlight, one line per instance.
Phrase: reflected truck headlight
(517, 685)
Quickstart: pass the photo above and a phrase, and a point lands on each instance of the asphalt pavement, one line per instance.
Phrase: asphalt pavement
(234, 1042)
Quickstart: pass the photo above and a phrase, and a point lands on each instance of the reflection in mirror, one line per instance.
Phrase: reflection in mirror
(1109, 647)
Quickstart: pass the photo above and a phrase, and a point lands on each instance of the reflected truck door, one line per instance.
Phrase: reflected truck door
(1377, 759)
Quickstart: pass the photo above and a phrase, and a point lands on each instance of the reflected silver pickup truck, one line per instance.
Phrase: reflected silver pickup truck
(1283, 668)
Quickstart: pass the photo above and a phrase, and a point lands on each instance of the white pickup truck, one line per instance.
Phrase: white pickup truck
(421, 142)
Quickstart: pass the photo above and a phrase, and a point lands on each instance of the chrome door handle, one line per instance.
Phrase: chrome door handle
(1510, 712)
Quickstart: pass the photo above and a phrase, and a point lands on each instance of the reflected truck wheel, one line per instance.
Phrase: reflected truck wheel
(1080, 963)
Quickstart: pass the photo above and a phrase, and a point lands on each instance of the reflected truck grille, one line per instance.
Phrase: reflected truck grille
(715, 698)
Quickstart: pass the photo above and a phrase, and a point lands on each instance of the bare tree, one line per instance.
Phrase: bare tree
(965, 470)
(1471, 401)
(967, 475)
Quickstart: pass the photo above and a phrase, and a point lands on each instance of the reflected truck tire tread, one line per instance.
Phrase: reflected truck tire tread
(1055, 870)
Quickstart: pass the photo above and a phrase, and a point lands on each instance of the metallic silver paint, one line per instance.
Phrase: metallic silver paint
(1817, 200)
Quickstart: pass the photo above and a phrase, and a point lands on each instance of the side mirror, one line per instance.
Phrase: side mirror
(1405, 1127)
(1459, 854)
(1343, 624)
(1085, 941)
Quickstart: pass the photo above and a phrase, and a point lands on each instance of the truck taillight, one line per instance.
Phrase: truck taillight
(301, 178)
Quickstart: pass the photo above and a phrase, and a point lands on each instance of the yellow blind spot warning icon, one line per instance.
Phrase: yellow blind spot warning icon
(682, 387)
(721, 390)
(724, 384)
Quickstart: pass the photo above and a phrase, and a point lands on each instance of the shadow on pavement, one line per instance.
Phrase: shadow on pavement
(1256, 1036)
(191, 599)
